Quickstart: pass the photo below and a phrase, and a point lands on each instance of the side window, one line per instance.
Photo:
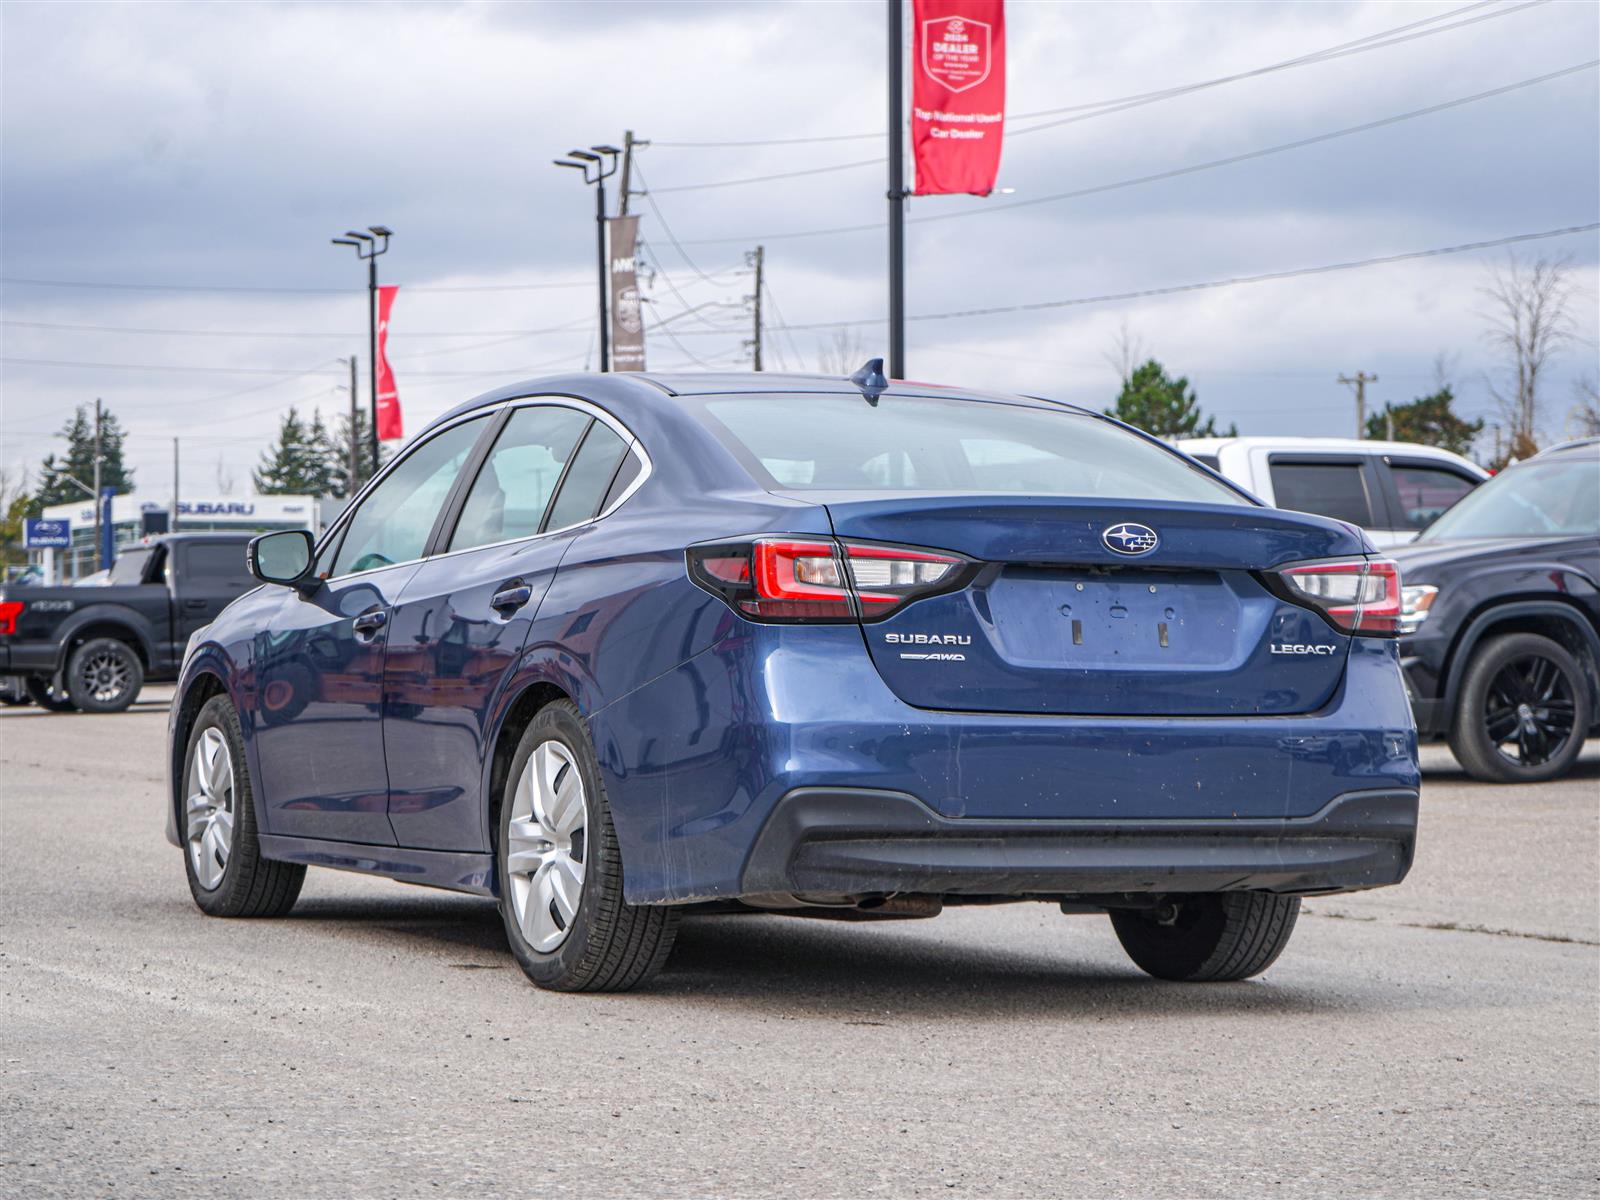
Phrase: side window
(585, 485)
(1425, 492)
(1330, 489)
(512, 491)
(626, 474)
(214, 565)
(393, 522)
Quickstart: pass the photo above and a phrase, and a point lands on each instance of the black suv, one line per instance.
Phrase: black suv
(1501, 625)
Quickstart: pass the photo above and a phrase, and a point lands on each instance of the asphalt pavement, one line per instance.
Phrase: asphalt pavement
(1441, 1038)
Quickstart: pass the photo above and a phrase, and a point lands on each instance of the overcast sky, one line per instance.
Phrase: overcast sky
(180, 147)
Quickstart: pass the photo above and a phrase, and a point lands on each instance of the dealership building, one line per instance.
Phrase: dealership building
(136, 516)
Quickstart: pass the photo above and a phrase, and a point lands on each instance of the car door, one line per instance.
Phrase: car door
(210, 575)
(462, 619)
(317, 714)
(1345, 487)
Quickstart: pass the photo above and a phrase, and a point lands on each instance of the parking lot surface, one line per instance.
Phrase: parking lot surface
(1441, 1038)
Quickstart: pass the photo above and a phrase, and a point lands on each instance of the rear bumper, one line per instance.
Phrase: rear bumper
(29, 658)
(858, 841)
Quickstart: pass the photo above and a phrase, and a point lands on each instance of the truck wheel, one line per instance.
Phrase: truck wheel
(560, 871)
(104, 675)
(1211, 937)
(221, 851)
(47, 695)
(1523, 711)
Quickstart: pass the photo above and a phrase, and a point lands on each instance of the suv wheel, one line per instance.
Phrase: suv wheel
(104, 675)
(1522, 712)
(1212, 937)
(222, 855)
(48, 694)
(560, 871)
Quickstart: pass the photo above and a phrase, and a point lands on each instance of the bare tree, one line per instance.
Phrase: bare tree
(14, 498)
(1125, 352)
(225, 477)
(841, 354)
(1584, 419)
(1529, 322)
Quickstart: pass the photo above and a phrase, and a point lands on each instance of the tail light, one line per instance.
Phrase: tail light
(1358, 595)
(10, 610)
(792, 579)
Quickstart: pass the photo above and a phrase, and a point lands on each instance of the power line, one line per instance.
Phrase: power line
(1173, 173)
(58, 362)
(264, 333)
(1233, 281)
(1114, 103)
(672, 237)
(107, 285)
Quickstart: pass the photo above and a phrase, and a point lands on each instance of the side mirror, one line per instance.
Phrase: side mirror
(283, 557)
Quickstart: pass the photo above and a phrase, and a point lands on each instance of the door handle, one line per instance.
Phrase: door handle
(194, 602)
(370, 623)
(508, 599)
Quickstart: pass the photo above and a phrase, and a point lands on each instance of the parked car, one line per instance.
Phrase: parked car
(93, 649)
(1391, 489)
(611, 647)
(1501, 625)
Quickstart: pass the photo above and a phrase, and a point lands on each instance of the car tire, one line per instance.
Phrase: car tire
(48, 695)
(104, 675)
(1525, 687)
(221, 849)
(560, 869)
(1208, 938)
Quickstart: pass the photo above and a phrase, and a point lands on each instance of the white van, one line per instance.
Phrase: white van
(1390, 489)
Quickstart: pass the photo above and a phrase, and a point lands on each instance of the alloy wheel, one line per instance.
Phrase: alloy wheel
(210, 807)
(105, 676)
(545, 846)
(1530, 711)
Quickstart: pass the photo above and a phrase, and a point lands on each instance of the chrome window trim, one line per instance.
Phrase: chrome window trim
(632, 445)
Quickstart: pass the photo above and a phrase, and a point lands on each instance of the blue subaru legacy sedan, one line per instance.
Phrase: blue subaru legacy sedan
(610, 649)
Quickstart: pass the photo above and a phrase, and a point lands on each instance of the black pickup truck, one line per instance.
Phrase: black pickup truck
(92, 646)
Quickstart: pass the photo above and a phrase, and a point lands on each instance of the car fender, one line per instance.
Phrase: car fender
(1475, 630)
(120, 615)
(208, 659)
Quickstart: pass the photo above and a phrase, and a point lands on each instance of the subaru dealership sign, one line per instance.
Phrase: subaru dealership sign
(43, 533)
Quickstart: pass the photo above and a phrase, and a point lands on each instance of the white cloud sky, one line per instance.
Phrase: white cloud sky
(186, 144)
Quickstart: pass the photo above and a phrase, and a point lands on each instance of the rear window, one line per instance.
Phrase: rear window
(906, 444)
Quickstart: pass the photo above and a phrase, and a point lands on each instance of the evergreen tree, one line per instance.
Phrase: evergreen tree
(1162, 406)
(296, 465)
(78, 461)
(337, 451)
(1429, 420)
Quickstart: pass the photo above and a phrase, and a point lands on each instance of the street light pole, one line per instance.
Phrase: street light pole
(368, 246)
(897, 201)
(598, 164)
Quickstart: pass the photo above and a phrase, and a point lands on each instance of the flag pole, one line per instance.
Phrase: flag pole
(897, 215)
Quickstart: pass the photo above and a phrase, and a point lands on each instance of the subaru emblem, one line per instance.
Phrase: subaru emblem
(1130, 538)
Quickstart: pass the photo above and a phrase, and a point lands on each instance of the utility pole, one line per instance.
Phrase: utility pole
(172, 525)
(1359, 381)
(629, 145)
(897, 199)
(756, 259)
(99, 541)
(354, 481)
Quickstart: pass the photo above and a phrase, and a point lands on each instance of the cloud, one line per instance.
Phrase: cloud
(225, 144)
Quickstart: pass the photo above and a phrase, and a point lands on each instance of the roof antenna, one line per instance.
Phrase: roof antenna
(871, 380)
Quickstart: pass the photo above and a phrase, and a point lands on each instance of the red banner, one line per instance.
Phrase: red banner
(388, 400)
(958, 94)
